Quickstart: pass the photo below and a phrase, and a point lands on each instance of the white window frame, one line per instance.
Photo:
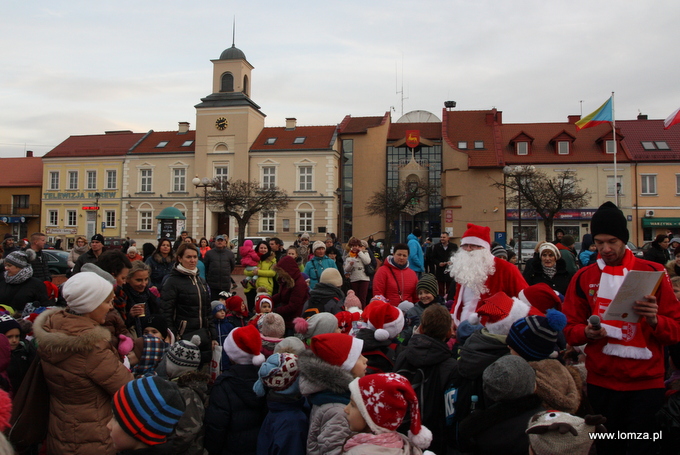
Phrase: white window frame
(111, 179)
(648, 185)
(146, 180)
(91, 177)
(178, 181)
(479, 145)
(522, 148)
(71, 218)
(463, 145)
(53, 217)
(305, 177)
(145, 220)
(54, 180)
(72, 180)
(305, 221)
(563, 147)
(609, 147)
(268, 221)
(268, 176)
(110, 218)
(611, 186)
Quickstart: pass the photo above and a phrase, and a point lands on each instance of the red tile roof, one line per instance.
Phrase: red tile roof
(430, 130)
(359, 125)
(93, 145)
(636, 131)
(316, 138)
(471, 126)
(174, 141)
(21, 172)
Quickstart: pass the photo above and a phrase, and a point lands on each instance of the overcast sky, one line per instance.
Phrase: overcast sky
(84, 67)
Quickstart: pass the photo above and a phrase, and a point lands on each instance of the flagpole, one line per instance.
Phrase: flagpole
(616, 177)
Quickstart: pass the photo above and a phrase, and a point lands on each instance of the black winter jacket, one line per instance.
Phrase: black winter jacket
(234, 414)
(18, 295)
(185, 298)
(533, 273)
(219, 263)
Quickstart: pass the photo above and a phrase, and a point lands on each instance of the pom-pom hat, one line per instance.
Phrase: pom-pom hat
(8, 323)
(183, 356)
(278, 373)
(21, 259)
(534, 337)
(338, 349)
(477, 235)
(383, 399)
(271, 325)
(385, 319)
(317, 324)
(352, 302)
(542, 297)
(243, 346)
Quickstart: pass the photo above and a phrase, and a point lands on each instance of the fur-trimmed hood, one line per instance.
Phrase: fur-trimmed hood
(60, 334)
(287, 271)
(316, 375)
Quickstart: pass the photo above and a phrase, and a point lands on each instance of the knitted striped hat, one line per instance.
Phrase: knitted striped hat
(148, 409)
(534, 337)
(429, 284)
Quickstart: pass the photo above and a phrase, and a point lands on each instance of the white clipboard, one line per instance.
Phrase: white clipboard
(635, 286)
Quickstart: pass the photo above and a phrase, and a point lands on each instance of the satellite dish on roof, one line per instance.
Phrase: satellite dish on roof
(419, 117)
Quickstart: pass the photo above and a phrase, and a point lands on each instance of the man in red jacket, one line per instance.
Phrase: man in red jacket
(479, 274)
(625, 361)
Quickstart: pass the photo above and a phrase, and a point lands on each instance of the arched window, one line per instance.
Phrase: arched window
(245, 86)
(227, 83)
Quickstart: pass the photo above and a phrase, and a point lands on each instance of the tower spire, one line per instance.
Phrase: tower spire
(233, 33)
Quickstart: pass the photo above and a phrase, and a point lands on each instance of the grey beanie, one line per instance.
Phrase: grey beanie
(508, 378)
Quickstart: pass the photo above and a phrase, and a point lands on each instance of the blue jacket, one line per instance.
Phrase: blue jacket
(416, 260)
(315, 268)
(284, 430)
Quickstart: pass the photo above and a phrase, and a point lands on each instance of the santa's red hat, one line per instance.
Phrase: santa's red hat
(338, 349)
(385, 319)
(383, 399)
(498, 312)
(243, 346)
(542, 297)
(477, 235)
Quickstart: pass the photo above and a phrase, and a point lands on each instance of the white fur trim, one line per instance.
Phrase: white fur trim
(475, 241)
(474, 319)
(381, 335)
(628, 352)
(354, 309)
(259, 360)
(422, 439)
(518, 311)
(354, 354)
(395, 327)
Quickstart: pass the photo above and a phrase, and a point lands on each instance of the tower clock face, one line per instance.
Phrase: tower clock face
(221, 123)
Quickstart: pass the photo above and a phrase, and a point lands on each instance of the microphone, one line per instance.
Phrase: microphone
(594, 321)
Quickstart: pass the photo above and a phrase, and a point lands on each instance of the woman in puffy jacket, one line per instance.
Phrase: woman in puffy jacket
(81, 368)
(79, 247)
(355, 268)
(394, 280)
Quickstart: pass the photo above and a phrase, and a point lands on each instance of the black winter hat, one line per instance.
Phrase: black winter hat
(609, 219)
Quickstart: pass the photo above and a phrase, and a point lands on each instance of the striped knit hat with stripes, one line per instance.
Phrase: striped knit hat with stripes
(148, 409)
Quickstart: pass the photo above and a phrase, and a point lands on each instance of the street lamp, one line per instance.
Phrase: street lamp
(204, 183)
(96, 216)
(518, 172)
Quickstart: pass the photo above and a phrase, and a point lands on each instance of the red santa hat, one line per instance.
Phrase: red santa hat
(243, 346)
(345, 319)
(498, 312)
(338, 349)
(477, 235)
(385, 319)
(383, 399)
(542, 297)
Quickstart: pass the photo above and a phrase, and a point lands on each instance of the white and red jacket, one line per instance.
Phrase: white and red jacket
(613, 372)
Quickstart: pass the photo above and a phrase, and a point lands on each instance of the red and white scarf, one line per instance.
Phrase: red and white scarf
(625, 338)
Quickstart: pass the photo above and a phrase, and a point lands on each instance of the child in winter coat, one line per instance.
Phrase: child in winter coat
(22, 351)
(379, 405)
(220, 326)
(272, 329)
(145, 411)
(327, 295)
(249, 259)
(149, 349)
(237, 311)
(325, 373)
(284, 430)
(263, 304)
(428, 294)
(235, 414)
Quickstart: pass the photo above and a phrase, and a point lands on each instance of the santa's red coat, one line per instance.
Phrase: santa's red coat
(506, 278)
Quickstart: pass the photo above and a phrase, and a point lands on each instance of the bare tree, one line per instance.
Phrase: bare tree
(548, 196)
(410, 196)
(242, 200)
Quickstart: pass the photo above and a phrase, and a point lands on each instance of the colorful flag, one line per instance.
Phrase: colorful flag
(601, 115)
(672, 119)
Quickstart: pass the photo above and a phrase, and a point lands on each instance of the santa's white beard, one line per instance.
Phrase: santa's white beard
(472, 268)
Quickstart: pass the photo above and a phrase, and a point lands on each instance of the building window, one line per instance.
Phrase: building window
(648, 145)
(162, 144)
(648, 184)
(479, 145)
(145, 221)
(187, 143)
(268, 177)
(227, 84)
(662, 145)
(179, 180)
(299, 140)
(268, 221)
(110, 216)
(563, 147)
(610, 147)
(305, 173)
(20, 201)
(145, 179)
(522, 148)
(91, 180)
(462, 145)
(52, 217)
(111, 177)
(72, 180)
(71, 217)
(54, 180)
(611, 188)
(305, 221)
(677, 184)
(270, 140)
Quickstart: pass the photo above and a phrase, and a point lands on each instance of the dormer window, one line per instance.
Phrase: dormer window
(479, 145)
(610, 147)
(162, 144)
(462, 145)
(522, 148)
(563, 147)
(270, 141)
(299, 140)
(662, 145)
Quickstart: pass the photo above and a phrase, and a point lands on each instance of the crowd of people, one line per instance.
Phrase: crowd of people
(446, 348)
